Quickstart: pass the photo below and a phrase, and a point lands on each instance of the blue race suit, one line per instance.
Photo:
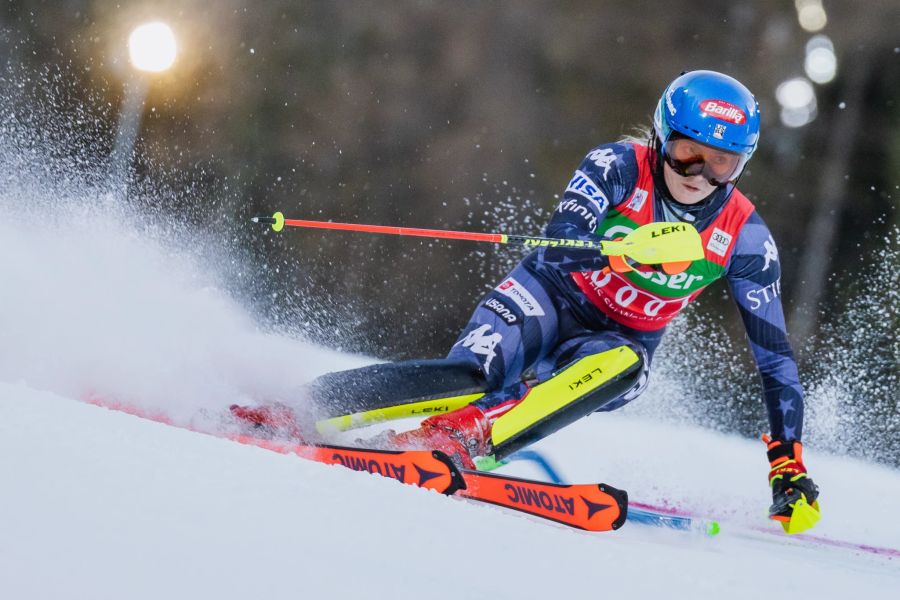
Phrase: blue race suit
(539, 319)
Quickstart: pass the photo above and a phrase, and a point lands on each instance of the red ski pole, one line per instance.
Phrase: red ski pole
(654, 243)
(278, 222)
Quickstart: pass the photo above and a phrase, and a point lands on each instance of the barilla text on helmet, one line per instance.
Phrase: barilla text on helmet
(724, 111)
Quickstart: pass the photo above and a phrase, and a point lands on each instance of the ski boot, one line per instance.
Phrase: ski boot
(272, 421)
(794, 495)
(462, 435)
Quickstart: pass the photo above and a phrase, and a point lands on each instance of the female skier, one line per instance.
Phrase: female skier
(567, 333)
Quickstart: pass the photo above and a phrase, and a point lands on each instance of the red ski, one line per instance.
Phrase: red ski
(593, 507)
(422, 468)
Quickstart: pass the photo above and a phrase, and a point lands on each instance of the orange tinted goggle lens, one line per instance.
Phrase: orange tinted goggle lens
(689, 158)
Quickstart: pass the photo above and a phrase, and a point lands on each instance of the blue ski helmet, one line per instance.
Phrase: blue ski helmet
(711, 108)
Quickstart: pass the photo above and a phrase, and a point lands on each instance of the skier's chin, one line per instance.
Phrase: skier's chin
(688, 190)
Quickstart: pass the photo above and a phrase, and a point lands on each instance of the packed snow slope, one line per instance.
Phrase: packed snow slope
(100, 504)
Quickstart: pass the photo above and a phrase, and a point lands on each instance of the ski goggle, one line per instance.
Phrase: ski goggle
(689, 158)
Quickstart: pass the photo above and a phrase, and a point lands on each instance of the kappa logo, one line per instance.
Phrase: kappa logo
(603, 158)
(637, 200)
(481, 342)
(517, 292)
(724, 111)
(719, 242)
(771, 252)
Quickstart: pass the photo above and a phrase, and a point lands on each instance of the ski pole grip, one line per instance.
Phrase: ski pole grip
(276, 221)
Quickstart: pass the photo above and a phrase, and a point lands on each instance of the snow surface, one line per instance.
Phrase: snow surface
(100, 504)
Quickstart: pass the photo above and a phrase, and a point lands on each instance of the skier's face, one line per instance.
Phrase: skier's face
(687, 190)
(689, 157)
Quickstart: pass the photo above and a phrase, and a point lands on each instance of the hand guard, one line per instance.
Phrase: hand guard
(624, 264)
(794, 495)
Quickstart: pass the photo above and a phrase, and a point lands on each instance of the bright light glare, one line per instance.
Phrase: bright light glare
(797, 117)
(795, 93)
(811, 14)
(151, 47)
(798, 102)
(819, 41)
(821, 65)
